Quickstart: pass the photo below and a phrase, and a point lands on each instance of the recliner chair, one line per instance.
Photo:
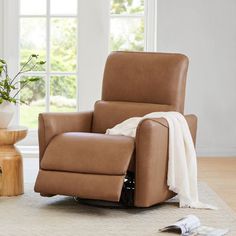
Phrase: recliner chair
(78, 159)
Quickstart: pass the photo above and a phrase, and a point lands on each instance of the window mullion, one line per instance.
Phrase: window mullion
(42, 16)
(150, 25)
(77, 60)
(48, 39)
(127, 15)
(42, 73)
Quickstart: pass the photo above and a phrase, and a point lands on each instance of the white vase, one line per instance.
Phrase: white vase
(7, 111)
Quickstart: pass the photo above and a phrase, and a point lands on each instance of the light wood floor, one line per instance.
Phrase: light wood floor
(220, 175)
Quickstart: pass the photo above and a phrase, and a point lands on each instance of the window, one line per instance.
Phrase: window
(127, 25)
(49, 28)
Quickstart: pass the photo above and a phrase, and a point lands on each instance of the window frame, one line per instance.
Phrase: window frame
(149, 17)
(11, 51)
(48, 73)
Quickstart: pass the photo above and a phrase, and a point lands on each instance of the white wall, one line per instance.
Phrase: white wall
(93, 49)
(1, 28)
(206, 32)
(9, 37)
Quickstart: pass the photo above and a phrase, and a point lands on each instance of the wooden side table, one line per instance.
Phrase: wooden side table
(11, 166)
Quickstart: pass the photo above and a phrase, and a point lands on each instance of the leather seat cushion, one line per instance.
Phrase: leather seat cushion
(89, 153)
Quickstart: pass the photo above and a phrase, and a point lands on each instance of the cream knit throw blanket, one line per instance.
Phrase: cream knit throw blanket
(182, 164)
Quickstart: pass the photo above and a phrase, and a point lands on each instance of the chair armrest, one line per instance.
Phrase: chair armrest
(192, 124)
(152, 160)
(52, 124)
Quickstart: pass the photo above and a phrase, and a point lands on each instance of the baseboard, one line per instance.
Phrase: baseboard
(29, 151)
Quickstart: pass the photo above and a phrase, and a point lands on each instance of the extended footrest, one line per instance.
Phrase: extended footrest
(92, 186)
(126, 199)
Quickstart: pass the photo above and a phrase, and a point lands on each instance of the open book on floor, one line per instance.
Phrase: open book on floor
(191, 226)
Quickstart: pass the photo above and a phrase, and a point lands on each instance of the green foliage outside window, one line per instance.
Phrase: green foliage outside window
(127, 6)
(131, 34)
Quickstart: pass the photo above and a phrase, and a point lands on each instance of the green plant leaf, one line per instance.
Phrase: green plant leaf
(13, 87)
(23, 102)
(42, 62)
(34, 79)
(8, 85)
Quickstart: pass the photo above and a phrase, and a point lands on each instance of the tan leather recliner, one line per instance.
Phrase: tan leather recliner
(78, 159)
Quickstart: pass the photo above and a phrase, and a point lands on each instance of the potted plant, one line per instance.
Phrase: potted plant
(11, 87)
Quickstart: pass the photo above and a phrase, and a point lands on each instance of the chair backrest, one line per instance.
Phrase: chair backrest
(154, 80)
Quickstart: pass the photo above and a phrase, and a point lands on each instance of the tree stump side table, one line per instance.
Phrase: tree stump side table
(11, 166)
